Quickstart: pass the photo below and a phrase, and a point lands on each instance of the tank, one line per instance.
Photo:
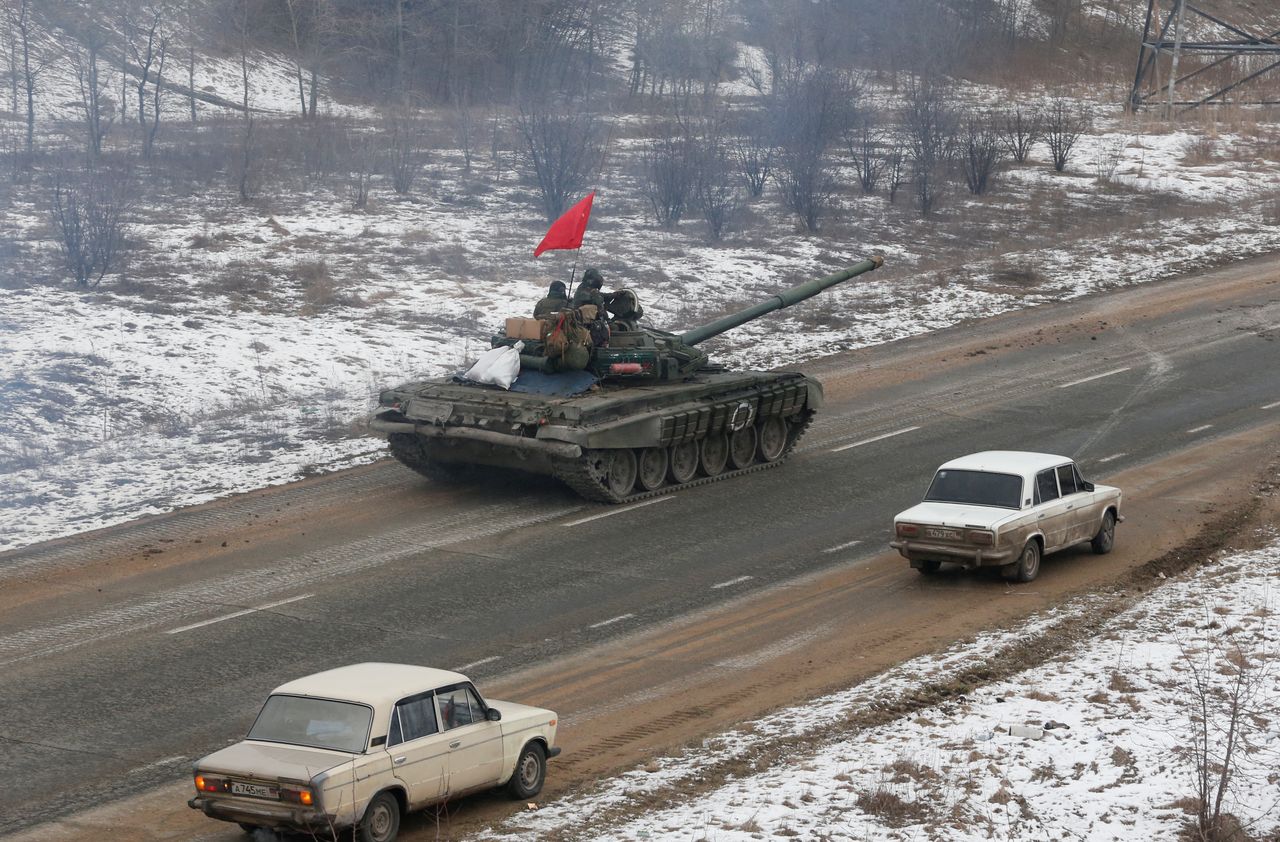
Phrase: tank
(644, 414)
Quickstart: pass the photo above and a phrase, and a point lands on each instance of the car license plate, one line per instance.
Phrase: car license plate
(945, 534)
(255, 790)
(431, 411)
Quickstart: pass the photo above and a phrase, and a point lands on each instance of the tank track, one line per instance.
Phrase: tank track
(408, 451)
(575, 473)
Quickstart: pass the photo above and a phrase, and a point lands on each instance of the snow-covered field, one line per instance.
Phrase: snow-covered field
(246, 342)
(1107, 751)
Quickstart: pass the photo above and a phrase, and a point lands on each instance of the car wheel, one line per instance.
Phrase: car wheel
(1028, 565)
(928, 568)
(531, 771)
(1106, 537)
(381, 820)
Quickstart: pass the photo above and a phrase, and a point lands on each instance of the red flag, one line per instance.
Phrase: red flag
(566, 232)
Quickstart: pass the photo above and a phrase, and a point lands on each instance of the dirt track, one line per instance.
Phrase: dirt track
(622, 702)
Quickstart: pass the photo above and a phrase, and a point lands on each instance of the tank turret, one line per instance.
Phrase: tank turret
(647, 354)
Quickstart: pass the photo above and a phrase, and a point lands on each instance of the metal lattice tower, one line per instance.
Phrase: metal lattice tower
(1168, 38)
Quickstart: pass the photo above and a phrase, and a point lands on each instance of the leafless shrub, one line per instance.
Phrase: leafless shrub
(1110, 153)
(405, 152)
(1021, 128)
(754, 152)
(893, 165)
(562, 149)
(668, 161)
(865, 142)
(1199, 151)
(320, 290)
(1063, 125)
(90, 220)
(930, 133)
(464, 131)
(1228, 696)
(980, 151)
(362, 159)
(812, 114)
(715, 185)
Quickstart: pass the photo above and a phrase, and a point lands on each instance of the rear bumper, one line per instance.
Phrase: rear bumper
(273, 816)
(919, 552)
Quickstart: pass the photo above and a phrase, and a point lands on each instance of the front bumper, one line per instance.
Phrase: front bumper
(264, 814)
(919, 552)
(560, 449)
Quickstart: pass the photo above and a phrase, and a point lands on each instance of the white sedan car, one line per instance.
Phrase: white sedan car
(358, 746)
(1009, 509)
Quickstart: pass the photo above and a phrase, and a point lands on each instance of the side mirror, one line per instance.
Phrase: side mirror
(1086, 485)
(493, 715)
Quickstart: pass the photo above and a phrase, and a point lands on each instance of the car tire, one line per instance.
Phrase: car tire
(1027, 567)
(530, 772)
(928, 568)
(1106, 537)
(381, 821)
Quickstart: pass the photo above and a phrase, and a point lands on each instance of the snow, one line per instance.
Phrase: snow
(1115, 766)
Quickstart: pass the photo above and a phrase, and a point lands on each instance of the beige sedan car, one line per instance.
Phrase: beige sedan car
(1007, 509)
(359, 746)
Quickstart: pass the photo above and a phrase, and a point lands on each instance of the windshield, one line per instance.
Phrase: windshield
(977, 488)
(320, 723)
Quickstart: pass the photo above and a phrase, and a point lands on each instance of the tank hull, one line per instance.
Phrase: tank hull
(612, 443)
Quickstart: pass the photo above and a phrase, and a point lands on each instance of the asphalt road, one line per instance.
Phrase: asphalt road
(129, 652)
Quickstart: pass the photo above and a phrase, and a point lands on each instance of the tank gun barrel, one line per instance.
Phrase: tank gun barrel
(786, 298)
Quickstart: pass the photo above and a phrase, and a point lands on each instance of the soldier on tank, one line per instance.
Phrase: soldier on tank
(588, 291)
(557, 299)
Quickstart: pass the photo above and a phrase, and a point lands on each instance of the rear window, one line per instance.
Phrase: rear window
(977, 488)
(318, 723)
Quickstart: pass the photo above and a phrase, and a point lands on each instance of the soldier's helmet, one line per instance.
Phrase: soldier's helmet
(557, 286)
(592, 277)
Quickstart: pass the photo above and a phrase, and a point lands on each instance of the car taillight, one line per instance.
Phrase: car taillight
(207, 784)
(908, 530)
(980, 536)
(297, 796)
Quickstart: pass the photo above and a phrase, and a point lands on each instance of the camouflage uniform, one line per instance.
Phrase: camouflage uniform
(557, 299)
(588, 291)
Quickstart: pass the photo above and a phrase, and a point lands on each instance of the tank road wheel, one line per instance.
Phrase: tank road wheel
(773, 438)
(684, 462)
(715, 454)
(742, 447)
(622, 472)
(653, 468)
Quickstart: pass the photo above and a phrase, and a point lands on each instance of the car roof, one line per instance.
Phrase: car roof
(371, 683)
(1021, 462)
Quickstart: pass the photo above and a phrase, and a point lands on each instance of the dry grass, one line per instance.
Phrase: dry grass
(891, 808)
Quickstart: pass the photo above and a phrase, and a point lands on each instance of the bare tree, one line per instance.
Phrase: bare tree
(811, 115)
(1226, 697)
(864, 141)
(89, 219)
(361, 150)
(246, 140)
(20, 14)
(144, 42)
(562, 149)
(754, 152)
(94, 104)
(668, 162)
(191, 61)
(980, 151)
(1063, 125)
(930, 135)
(1021, 128)
(894, 166)
(149, 139)
(464, 130)
(715, 190)
(405, 152)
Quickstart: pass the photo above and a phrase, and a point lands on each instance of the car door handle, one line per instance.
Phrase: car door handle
(398, 760)
(455, 743)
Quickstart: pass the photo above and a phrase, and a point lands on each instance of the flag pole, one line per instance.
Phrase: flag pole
(573, 270)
